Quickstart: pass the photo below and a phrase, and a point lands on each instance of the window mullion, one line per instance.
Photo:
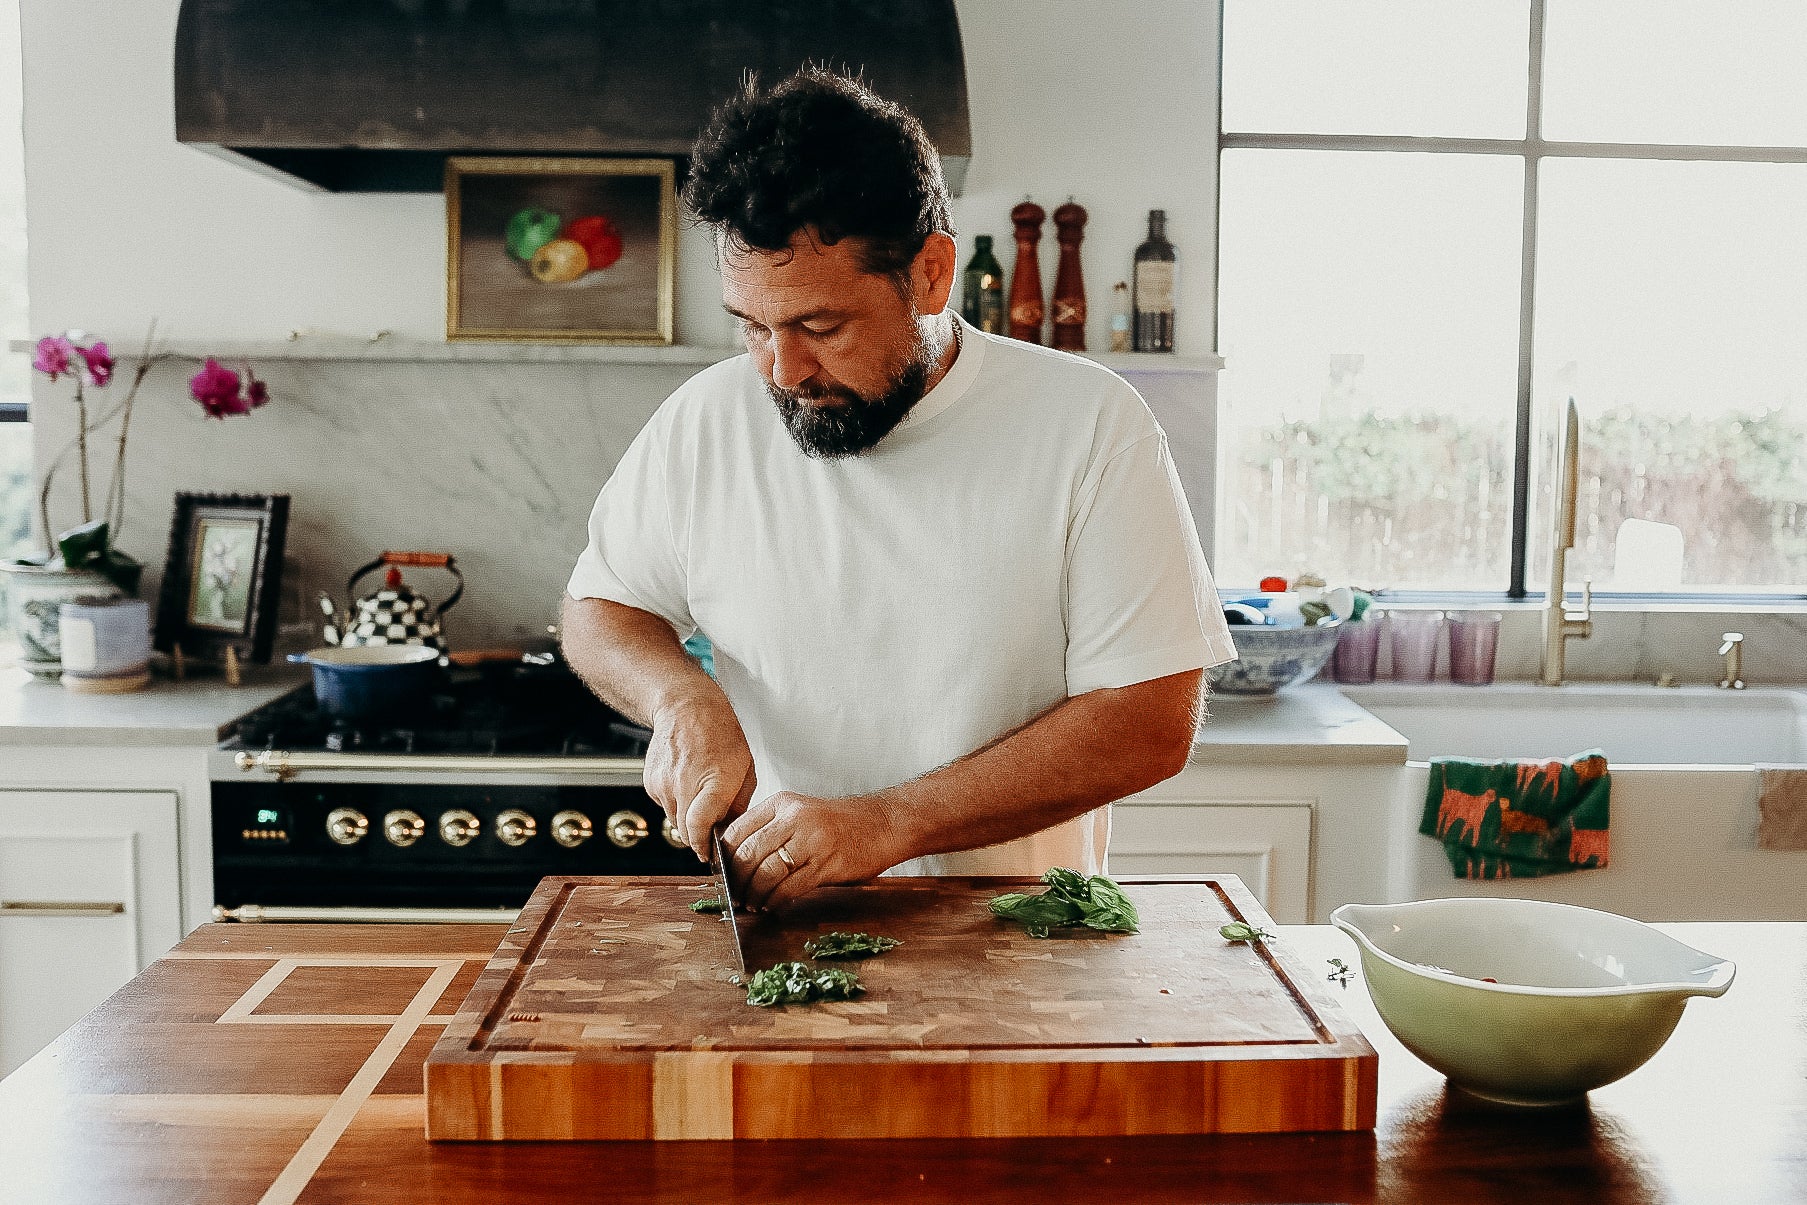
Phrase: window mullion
(1521, 460)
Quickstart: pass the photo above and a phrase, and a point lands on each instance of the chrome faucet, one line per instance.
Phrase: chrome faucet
(1559, 623)
(1732, 649)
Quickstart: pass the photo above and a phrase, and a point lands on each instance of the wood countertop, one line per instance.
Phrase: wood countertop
(282, 1063)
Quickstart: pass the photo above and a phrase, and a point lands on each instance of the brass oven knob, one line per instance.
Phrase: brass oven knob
(571, 829)
(459, 827)
(672, 837)
(515, 827)
(347, 826)
(404, 827)
(627, 829)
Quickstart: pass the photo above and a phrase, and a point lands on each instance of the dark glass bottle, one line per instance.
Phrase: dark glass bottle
(1154, 287)
(982, 291)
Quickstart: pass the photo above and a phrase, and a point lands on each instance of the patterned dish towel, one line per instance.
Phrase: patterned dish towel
(1519, 819)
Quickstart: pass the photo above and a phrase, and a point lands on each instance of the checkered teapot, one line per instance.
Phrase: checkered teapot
(394, 614)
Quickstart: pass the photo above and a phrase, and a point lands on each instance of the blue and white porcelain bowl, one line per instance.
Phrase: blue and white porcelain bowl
(1270, 659)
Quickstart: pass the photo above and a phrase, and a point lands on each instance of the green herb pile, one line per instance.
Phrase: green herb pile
(799, 983)
(709, 904)
(1071, 900)
(848, 945)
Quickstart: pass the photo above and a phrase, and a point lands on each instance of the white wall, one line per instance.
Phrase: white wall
(1112, 104)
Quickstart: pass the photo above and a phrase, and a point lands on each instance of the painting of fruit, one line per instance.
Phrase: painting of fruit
(571, 250)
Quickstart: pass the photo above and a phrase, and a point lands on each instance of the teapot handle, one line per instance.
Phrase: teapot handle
(430, 560)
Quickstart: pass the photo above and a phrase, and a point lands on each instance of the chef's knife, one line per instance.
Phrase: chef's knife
(729, 913)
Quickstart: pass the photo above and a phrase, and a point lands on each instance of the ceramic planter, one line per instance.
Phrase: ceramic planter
(34, 596)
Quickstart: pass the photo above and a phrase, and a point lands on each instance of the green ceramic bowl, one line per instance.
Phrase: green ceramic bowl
(1582, 999)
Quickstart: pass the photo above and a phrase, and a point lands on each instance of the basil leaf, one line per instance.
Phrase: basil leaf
(1071, 899)
(711, 904)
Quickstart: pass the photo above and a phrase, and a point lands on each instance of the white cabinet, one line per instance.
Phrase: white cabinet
(90, 894)
(1267, 845)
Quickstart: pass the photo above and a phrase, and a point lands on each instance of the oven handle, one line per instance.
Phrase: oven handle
(255, 913)
(285, 765)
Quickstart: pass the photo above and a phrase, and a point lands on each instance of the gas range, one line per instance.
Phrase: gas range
(511, 772)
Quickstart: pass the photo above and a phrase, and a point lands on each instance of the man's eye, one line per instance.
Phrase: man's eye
(826, 328)
(753, 330)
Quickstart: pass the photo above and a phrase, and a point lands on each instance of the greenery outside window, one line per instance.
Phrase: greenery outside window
(1438, 223)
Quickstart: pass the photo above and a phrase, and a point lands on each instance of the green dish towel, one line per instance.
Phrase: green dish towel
(1519, 819)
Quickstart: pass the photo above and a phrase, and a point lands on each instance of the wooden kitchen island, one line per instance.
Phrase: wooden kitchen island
(283, 1063)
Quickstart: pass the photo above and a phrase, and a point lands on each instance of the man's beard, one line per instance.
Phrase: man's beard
(835, 422)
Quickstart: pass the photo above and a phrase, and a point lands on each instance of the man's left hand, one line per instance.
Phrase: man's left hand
(787, 845)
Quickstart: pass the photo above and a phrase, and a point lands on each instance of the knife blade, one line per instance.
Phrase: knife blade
(729, 913)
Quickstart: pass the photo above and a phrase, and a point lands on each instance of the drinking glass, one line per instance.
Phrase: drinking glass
(1474, 636)
(1415, 636)
(1358, 649)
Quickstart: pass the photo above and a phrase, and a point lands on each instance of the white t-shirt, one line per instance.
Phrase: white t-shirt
(1019, 538)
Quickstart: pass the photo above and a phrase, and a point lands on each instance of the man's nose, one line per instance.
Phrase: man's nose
(792, 364)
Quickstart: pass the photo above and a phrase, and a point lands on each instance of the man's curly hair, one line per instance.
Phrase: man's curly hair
(819, 151)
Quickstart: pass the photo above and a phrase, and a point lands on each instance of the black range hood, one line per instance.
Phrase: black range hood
(374, 95)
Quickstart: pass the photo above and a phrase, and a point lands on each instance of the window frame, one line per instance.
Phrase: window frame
(1533, 148)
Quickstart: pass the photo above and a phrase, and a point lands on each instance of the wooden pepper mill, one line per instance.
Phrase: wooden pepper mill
(1069, 284)
(1026, 280)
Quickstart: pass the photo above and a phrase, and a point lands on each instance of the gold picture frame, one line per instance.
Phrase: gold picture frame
(506, 282)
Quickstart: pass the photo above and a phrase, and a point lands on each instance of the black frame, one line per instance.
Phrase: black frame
(255, 638)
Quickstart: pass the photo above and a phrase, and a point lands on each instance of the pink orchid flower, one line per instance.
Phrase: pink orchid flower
(54, 355)
(216, 388)
(100, 363)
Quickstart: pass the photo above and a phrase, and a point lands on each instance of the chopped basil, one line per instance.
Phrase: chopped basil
(710, 904)
(848, 945)
(1239, 931)
(799, 983)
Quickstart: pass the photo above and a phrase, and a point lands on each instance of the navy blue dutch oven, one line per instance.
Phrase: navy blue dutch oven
(372, 680)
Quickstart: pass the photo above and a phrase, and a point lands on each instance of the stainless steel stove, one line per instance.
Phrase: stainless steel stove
(512, 772)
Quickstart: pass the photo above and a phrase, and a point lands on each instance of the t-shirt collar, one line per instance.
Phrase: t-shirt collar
(952, 387)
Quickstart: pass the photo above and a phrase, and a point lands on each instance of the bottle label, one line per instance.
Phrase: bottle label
(1154, 287)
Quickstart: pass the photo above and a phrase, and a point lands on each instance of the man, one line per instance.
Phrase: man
(954, 592)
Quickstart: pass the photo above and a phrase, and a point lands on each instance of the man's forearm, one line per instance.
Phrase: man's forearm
(1080, 754)
(630, 658)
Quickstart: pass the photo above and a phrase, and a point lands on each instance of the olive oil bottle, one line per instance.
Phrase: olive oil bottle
(982, 290)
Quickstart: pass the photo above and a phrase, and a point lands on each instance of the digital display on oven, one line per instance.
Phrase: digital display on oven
(265, 826)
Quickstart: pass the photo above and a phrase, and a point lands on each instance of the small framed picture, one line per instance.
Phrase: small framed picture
(224, 570)
(560, 250)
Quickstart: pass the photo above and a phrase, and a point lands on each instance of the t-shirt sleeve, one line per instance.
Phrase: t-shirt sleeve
(1140, 603)
(634, 557)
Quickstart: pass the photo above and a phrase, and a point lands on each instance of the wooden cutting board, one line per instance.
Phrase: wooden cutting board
(610, 1012)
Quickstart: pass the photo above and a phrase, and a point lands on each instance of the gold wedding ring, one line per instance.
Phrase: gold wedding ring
(784, 855)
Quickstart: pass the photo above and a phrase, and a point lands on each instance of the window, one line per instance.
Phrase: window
(17, 503)
(1439, 223)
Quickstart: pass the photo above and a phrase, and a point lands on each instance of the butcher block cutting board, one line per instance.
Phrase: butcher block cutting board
(610, 1012)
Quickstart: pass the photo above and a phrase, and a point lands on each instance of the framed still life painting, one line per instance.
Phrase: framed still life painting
(560, 250)
(224, 570)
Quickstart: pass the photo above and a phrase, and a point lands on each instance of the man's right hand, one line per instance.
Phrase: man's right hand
(698, 767)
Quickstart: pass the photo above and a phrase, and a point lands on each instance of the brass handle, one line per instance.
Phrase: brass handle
(58, 908)
(277, 913)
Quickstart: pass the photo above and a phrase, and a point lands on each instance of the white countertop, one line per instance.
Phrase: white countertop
(196, 711)
(1308, 725)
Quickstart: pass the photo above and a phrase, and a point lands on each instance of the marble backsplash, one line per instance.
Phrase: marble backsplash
(498, 462)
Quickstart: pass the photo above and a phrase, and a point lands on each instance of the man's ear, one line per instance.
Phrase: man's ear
(933, 272)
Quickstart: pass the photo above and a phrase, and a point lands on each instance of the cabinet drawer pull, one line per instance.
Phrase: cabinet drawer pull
(57, 908)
